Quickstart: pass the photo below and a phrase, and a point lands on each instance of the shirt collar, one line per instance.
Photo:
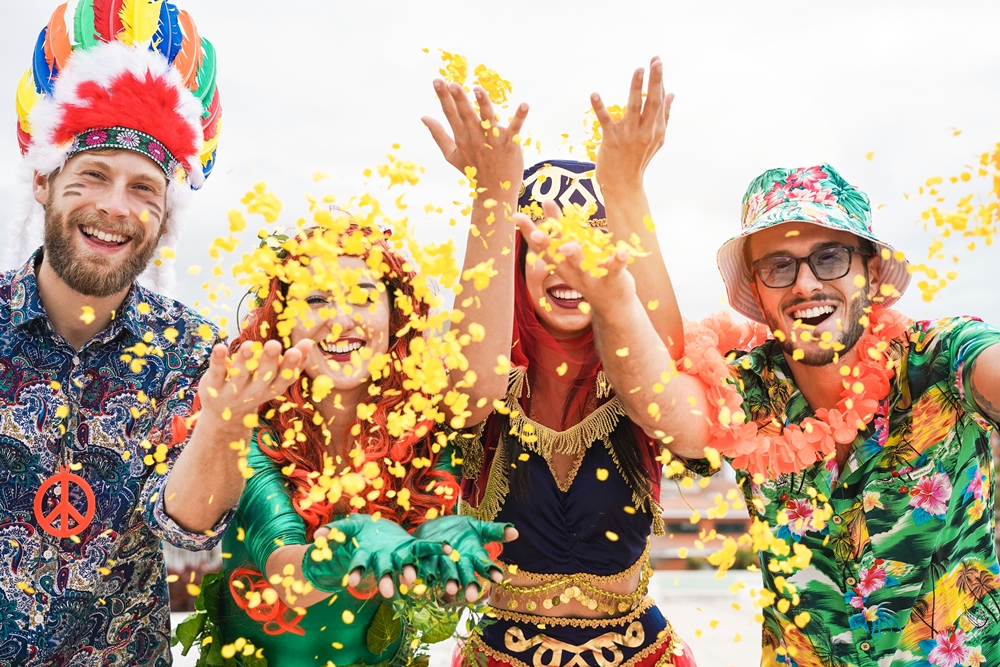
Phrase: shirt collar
(26, 304)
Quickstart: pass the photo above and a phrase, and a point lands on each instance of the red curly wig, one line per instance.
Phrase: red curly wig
(428, 488)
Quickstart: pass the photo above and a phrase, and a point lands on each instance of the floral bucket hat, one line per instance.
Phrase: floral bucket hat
(817, 195)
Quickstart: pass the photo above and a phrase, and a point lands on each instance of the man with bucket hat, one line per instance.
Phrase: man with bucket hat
(100, 377)
(860, 437)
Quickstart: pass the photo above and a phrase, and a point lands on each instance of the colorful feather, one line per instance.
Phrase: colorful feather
(140, 20)
(206, 76)
(168, 37)
(188, 61)
(83, 25)
(25, 99)
(207, 154)
(211, 116)
(107, 19)
(40, 66)
(57, 46)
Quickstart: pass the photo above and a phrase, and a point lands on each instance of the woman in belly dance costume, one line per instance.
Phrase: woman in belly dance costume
(296, 552)
(560, 460)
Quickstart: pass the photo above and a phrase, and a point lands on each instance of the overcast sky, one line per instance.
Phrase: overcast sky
(329, 86)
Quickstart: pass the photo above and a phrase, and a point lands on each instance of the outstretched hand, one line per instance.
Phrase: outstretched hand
(465, 540)
(240, 384)
(615, 286)
(627, 145)
(478, 140)
(379, 547)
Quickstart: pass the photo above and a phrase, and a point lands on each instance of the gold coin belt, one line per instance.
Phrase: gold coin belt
(579, 587)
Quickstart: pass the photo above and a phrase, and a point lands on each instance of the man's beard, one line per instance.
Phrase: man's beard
(97, 276)
(852, 330)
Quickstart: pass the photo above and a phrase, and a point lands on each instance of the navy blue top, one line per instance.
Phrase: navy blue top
(566, 533)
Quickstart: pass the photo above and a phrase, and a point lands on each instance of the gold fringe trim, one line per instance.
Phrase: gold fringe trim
(472, 454)
(669, 639)
(657, 511)
(575, 440)
(561, 621)
(517, 382)
(544, 441)
(497, 487)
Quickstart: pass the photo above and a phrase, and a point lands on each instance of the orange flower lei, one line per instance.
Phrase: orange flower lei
(798, 446)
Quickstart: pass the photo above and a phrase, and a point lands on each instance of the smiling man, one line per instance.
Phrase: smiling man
(860, 438)
(100, 458)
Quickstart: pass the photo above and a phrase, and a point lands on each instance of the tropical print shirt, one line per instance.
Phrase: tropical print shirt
(903, 568)
(115, 411)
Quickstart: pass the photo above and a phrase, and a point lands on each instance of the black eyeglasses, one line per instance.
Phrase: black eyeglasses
(828, 263)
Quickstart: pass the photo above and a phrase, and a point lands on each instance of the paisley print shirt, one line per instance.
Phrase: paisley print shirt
(890, 562)
(115, 412)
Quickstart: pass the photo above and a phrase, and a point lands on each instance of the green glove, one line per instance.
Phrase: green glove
(467, 537)
(376, 547)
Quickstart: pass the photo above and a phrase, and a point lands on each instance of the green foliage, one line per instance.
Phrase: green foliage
(201, 629)
(384, 630)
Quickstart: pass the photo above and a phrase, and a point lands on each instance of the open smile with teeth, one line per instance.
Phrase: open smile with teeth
(569, 298)
(815, 315)
(341, 346)
(107, 238)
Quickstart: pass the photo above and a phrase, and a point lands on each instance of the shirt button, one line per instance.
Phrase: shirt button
(837, 519)
(851, 581)
(76, 360)
(48, 553)
(865, 646)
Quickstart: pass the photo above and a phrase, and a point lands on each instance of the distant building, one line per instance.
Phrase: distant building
(686, 544)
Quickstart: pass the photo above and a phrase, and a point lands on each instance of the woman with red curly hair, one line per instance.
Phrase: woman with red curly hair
(334, 498)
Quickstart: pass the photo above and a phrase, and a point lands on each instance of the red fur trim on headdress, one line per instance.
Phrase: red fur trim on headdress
(150, 106)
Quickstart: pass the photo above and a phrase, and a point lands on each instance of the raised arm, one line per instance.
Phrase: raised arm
(494, 152)
(205, 482)
(632, 355)
(627, 146)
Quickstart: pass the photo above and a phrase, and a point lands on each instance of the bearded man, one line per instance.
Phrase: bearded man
(101, 378)
(860, 438)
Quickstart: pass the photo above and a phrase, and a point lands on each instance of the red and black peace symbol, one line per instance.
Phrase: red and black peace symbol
(65, 519)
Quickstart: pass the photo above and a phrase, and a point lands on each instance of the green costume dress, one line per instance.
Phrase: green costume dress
(343, 629)
(268, 519)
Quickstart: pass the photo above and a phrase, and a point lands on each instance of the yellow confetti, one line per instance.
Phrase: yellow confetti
(602, 474)
(237, 223)
(87, 316)
(561, 369)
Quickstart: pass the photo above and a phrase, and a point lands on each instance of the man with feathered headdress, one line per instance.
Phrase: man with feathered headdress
(118, 120)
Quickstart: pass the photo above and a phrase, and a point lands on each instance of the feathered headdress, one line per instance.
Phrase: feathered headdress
(125, 74)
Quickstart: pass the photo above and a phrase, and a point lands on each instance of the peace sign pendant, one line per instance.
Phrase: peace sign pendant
(57, 522)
